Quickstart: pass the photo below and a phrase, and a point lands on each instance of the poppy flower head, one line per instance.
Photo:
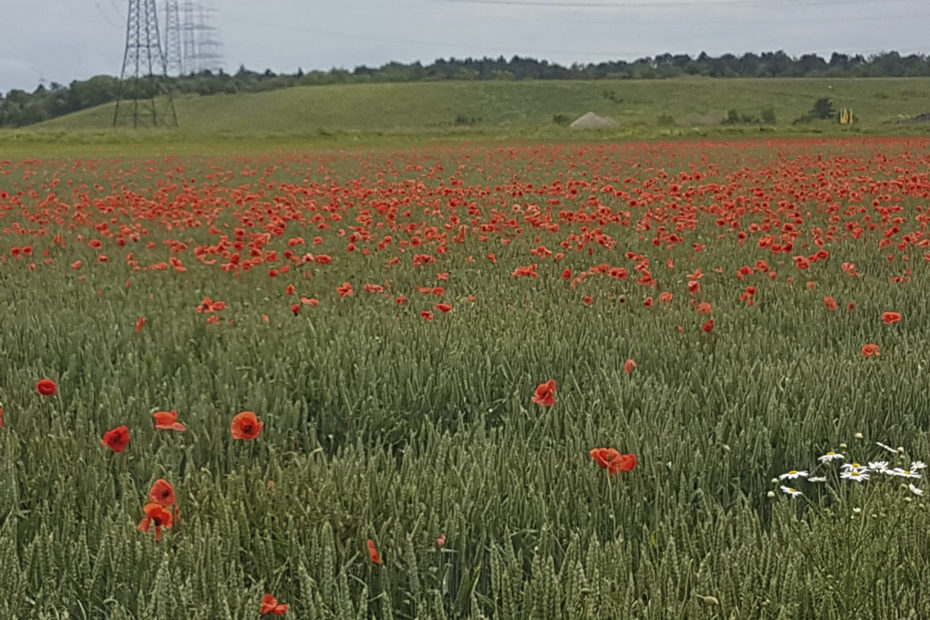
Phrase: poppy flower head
(46, 387)
(157, 515)
(270, 605)
(545, 394)
(871, 350)
(116, 439)
(162, 493)
(629, 366)
(168, 421)
(1, 416)
(890, 318)
(373, 553)
(613, 461)
(245, 425)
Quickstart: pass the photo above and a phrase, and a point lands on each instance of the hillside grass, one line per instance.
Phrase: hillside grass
(399, 114)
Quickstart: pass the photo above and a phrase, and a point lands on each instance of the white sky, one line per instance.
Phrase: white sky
(64, 40)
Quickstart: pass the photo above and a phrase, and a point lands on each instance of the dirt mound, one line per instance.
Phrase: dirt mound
(922, 118)
(593, 121)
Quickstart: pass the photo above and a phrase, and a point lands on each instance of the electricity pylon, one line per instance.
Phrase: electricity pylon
(174, 61)
(143, 64)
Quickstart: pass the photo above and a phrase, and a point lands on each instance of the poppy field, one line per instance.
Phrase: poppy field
(660, 380)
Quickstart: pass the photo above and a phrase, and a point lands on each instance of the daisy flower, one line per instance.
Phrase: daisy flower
(889, 448)
(857, 467)
(915, 465)
(915, 490)
(859, 475)
(791, 492)
(879, 466)
(905, 473)
(830, 456)
(793, 475)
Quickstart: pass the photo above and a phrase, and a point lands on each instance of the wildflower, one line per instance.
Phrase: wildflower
(345, 290)
(155, 515)
(904, 473)
(793, 475)
(886, 447)
(915, 490)
(427, 315)
(611, 460)
(830, 456)
(373, 553)
(441, 541)
(830, 303)
(116, 439)
(46, 387)
(1, 416)
(162, 493)
(854, 467)
(817, 479)
(140, 324)
(245, 425)
(545, 393)
(790, 491)
(916, 465)
(871, 349)
(708, 326)
(890, 318)
(168, 421)
(270, 605)
(444, 307)
(859, 475)
(879, 466)
(629, 366)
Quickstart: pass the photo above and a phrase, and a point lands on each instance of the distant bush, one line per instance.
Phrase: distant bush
(666, 120)
(768, 115)
(560, 119)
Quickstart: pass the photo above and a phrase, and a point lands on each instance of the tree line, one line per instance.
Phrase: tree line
(19, 107)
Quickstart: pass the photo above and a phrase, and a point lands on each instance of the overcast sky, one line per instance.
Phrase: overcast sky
(63, 40)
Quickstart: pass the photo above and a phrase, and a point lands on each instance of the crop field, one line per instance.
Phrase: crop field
(654, 380)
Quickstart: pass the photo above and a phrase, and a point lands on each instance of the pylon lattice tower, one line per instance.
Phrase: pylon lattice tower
(143, 64)
(174, 60)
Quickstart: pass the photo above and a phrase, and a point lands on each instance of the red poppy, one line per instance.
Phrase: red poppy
(46, 387)
(162, 493)
(444, 307)
(545, 393)
(246, 426)
(270, 605)
(629, 366)
(830, 303)
(890, 318)
(345, 290)
(871, 349)
(373, 552)
(140, 324)
(295, 309)
(426, 314)
(168, 421)
(116, 439)
(441, 541)
(611, 460)
(155, 515)
(708, 326)
(1, 417)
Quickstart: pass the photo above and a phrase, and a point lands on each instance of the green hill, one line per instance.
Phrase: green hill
(522, 109)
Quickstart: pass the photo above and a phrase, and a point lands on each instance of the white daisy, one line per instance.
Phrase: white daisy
(915, 490)
(905, 473)
(817, 479)
(793, 475)
(915, 465)
(889, 448)
(848, 467)
(879, 466)
(791, 492)
(859, 475)
(830, 456)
